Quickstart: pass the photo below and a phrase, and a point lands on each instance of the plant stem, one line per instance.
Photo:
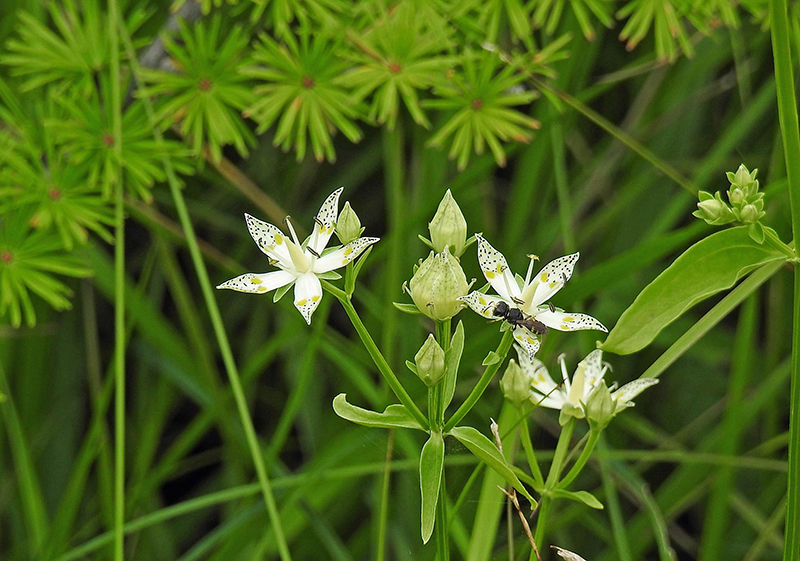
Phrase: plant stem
(581, 461)
(383, 516)
(562, 447)
(530, 455)
(119, 290)
(483, 383)
(213, 311)
(443, 329)
(443, 335)
(393, 163)
(375, 353)
(787, 114)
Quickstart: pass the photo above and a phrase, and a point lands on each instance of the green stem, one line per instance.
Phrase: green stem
(773, 240)
(562, 447)
(581, 461)
(213, 311)
(383, 516)
(443, 336)
(393, 163)
(787, 114)
(530, 455)
(375, 353)
(483, 383)
(119, 291)
(442, 534)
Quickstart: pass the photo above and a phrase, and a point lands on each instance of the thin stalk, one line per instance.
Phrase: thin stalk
(383, 517)
(443, 329)
(393, 160)
(213, 311)
(530, 455)
(119, 290)
(614, 510)
(375, 353)
(790, 133)
(442, 534)
(443, 336)
(483, 383)
(581, 461)
(545, 505)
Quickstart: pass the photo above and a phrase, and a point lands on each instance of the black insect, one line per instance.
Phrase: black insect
(515, 317)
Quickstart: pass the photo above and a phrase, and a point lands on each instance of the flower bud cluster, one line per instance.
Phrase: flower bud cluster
(746, 202)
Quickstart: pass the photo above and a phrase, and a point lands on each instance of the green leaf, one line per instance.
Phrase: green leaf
(281, 291)
(584, 497)
(407, 308)
(488, 453)
(394, 417)
(491, 358)
(452, 358)
(431, 465)
(709, 266)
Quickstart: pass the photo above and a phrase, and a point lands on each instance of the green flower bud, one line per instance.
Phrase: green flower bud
(436, 286)
(430, 362)
(736, 196)
(743, 178)
(348, 226)
(600, 407)
(749, 213)
(713, 209)
(516, 385)
(449, 227)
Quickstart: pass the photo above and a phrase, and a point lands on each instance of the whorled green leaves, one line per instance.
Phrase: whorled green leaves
(431, 465)
(394, 417)
(709, 266)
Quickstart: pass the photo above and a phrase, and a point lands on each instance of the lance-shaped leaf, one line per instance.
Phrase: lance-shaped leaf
(452, 359)
(487, 452)
(431, 464)
(709, 266)
(584, 497)
(394, 417)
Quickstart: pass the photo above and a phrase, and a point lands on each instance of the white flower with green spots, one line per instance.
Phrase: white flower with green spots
(572, 395)
(530, 295)
(300, 264)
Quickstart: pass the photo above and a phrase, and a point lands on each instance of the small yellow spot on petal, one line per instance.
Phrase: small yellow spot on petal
(344, 261)
(489, 274)
(278, 239)
(262, 289)
(531, 341)
(541, 377)
(321, 228)
(568, 319)
(499, 268)
(564, 326)
(314, 298)
(256, 280)
(302, 302)
(348, 251)
(544, 277)
(482, 300)
(553, 284)
(271, 246)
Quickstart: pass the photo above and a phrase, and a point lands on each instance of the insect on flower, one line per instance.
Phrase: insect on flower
(301, 264)
(524, 303)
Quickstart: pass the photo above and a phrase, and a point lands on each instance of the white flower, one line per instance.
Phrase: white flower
(573, 394)
(301, 264)
(529, 295)
(566, 554)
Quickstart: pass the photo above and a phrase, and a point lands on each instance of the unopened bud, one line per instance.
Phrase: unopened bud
(449, 227)
(736, 196)
(749, 214)
(516, 385)
(600, 407)
(348, 226)
(436, 286)
(430, 362)
(713, 210)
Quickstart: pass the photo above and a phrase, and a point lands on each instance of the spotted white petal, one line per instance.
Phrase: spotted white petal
(626, 393)
(541, 381)
(342, 256)
(259, 283)
(325, 222)
(269, 239)
(527, 340)
(592, 369)
(495, 269)
(567, 555)
(481, 303)
(307, 295)
(552, 278)
(564, 321)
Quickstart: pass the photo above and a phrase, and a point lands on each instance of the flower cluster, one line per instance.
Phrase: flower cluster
(746, 203)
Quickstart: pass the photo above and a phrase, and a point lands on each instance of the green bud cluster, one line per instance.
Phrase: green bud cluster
(746, 202)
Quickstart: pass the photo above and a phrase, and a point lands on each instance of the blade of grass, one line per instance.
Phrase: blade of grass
(790, 133)
(216, 318)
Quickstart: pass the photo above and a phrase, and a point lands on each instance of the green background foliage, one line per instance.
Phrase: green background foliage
(557, 125)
